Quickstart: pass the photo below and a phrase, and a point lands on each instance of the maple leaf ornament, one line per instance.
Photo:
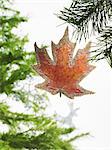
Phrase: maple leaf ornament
(64, 73)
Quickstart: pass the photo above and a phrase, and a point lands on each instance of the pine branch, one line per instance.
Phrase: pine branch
(85, 13)
(89, 17)
(78, 136)
(104, 46)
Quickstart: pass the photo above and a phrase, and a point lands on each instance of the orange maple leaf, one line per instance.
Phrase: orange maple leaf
(64, 73)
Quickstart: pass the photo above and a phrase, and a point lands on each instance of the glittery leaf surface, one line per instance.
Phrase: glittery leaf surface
(63, 74)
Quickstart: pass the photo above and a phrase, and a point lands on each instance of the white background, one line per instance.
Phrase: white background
(94, 114)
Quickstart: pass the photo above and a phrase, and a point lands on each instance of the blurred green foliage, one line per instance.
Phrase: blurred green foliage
(15, 62)
(40, 132)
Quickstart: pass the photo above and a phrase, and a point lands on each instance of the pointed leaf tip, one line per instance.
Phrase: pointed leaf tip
(66, 32)
(73, 45)
(53, 44)
(36, 47)
(65, 36)
(88, 46)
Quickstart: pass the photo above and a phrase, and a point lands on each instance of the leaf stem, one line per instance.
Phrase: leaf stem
(60, 94)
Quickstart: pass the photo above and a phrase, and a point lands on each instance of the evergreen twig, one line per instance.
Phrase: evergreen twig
(90, 17)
